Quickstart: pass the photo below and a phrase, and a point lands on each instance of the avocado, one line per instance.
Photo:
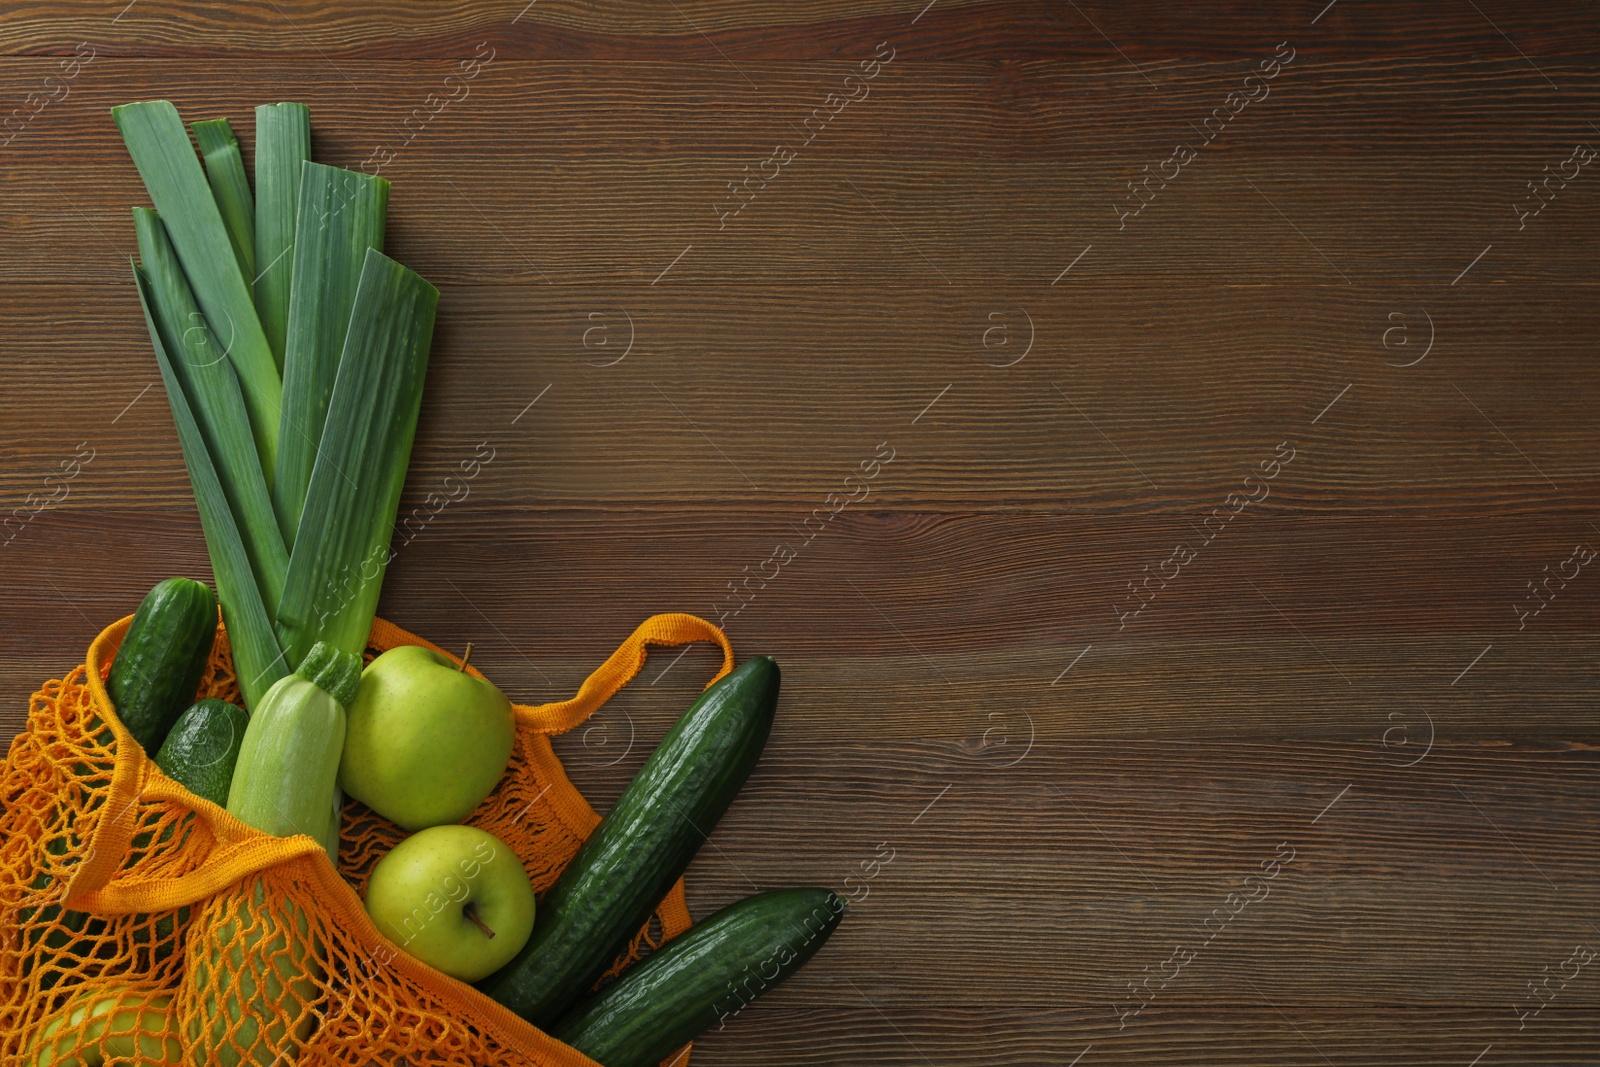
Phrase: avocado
(203, 746)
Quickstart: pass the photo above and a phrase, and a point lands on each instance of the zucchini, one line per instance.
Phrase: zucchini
(257, 968)
(642, 846)
(334, 826)
(203, 746)
(701, 978)
(288, 767)
(157, 669)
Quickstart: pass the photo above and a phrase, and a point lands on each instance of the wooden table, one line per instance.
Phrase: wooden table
(1213, 657)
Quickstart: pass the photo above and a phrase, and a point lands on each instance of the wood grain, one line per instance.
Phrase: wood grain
(741, 391)
(811, 29)
(1347, 669)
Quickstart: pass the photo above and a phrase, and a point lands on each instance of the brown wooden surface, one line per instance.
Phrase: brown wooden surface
(1059, 824)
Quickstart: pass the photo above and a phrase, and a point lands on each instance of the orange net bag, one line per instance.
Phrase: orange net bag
(142, 924)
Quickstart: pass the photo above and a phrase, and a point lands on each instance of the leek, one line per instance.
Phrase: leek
(338, 385)
(219, 148)
(341, 216)
(283, 143)
(341, 547)
(257, 657)
(211, 391)
(166, 161)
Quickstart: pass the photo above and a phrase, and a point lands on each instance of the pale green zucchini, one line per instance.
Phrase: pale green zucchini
(288, 769)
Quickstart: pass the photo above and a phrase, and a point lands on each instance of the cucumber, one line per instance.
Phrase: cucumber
(158, 667)
(63, 947)
(642, 846)
(202, 747)
(71, 941)
(702, 978)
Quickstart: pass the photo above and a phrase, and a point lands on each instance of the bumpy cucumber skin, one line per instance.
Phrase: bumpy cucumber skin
(642, 846)
(701, 978)
(202, 747)
(158, 667)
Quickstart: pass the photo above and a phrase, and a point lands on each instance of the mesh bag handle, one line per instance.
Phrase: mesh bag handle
(620, 668)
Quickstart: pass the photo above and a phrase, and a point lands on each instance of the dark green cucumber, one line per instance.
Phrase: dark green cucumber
(61, 947)
(642, 846)
(202, 747)
(158, 667)
(701, 978)
(70, 940)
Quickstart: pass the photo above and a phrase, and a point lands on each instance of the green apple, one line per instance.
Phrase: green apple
(424, 741)
(101, 1024)
(456, 898)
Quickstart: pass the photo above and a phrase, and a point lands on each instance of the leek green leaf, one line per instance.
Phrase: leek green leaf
(342, 545)
(341, 216)
(212, 391)
(283, 143)
(161, 150)
(257, 657)
(219, 149)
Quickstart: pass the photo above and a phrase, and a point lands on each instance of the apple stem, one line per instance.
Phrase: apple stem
(464, 657)
(471, 912)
